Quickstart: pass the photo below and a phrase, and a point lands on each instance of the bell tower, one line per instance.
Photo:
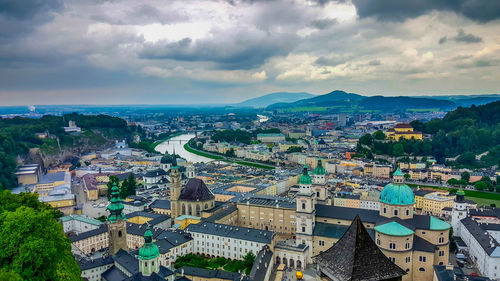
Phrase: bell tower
(175, 189)
(305, 213)
(148, 255)
(117, 226)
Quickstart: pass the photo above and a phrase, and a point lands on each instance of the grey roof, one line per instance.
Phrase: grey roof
(422, 192)
(140, 229)
(262, 200)
(196, 190)
(334, 230)
(84, 235)
(52, 177)
(86, 264)
(420, 244)
(127, 261)
(113, 274)
(207, 273)
(160, 276)
(263, 261)
(155, 173)
(226, 210)
(355, 257)
(455, 274)
(237, 232)
(161, 204)
(346, 213)
(169, 239)
(488, 243)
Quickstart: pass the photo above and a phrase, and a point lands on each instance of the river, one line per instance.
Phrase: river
(177, 143)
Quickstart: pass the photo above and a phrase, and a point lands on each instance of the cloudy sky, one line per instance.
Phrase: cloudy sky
(192, 51)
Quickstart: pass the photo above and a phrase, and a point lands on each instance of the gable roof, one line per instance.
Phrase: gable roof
(195, 190)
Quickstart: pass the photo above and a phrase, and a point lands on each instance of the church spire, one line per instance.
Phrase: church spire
(115, 208)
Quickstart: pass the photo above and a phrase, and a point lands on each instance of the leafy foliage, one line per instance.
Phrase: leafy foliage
(33, 244)
(199, 261)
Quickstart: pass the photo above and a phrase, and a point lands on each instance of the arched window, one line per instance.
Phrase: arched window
(303, 206)
(120, 233)
(407, 212)
(206, 206)
(183, 209)
(385, 210)
(395, 212)
(421, 269)
(197, 210)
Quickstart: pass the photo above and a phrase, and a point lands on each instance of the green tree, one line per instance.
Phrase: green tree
(124, 189)
(6, 275)
(407, 176)
(7, 169)
(379, 135)
(132, 185)
(465, 176)
(293, 149)
(230, 153)
(111, 182)
(480, 185)
(34, 246)
(398, 150)
(248, 260)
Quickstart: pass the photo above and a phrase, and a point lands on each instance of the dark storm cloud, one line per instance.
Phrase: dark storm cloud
(463, 37)
(397, 10)
(241, 52)
(20, 17)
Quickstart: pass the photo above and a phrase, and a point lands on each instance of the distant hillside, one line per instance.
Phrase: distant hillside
(402, 103)
(334, 98)
(266, 100)
(342, 101)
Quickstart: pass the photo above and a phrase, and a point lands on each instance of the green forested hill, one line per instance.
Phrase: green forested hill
(18, 135)
(464, 132)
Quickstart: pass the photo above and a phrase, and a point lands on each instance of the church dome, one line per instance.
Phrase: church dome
(397, 194)
(319, 170)
(305, 178)
(149, 250)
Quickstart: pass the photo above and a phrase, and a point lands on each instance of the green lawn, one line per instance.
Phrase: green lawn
(216, 263)
(483, 201)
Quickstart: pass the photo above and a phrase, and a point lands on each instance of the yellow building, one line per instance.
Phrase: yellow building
(403, 130)
(185, 220)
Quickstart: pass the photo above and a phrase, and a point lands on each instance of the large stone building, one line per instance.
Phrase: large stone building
(403, 130)
(191, 200)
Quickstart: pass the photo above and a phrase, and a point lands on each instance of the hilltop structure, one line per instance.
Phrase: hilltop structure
(403, 130)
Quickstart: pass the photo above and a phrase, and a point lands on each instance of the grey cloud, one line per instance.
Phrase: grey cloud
(466, 37)
(331, 60)
(243, 51)
(482, 62)
(443, 40)
(396, 10)
(323, 23)
(140, 14)
(374, 63)
(20, 17)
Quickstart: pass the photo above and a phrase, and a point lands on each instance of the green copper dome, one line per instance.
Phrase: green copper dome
(437, 224)
(115, 208)
(149, 250)
(319, 168)
(394, 229)
(305, 178)
(397, 194)
(398, 172)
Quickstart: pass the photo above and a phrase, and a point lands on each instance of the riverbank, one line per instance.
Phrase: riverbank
(225, 159)
(156, 143)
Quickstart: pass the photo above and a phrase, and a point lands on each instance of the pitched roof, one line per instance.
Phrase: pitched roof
(394, 229)
(194, 190)
(355, 257)
(343, 213)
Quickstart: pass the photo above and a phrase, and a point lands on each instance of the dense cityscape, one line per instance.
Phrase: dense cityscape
(249, 140)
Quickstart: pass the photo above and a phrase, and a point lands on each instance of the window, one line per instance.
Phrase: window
(303, 229)
(421, 269)
(392, 245)
(378, 241)
(407, 259)
(407, 212)
(422, 259)
(441, 239)
(407, 246)
(120, 233)
(395, 212)
(322, 243)
(441, 253)
(385, 211)
(303, 206)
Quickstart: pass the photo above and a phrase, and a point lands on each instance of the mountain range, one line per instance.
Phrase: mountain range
(280, 97)
(340, 100)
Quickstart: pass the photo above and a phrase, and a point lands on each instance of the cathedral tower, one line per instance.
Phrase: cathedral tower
(117, 226)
